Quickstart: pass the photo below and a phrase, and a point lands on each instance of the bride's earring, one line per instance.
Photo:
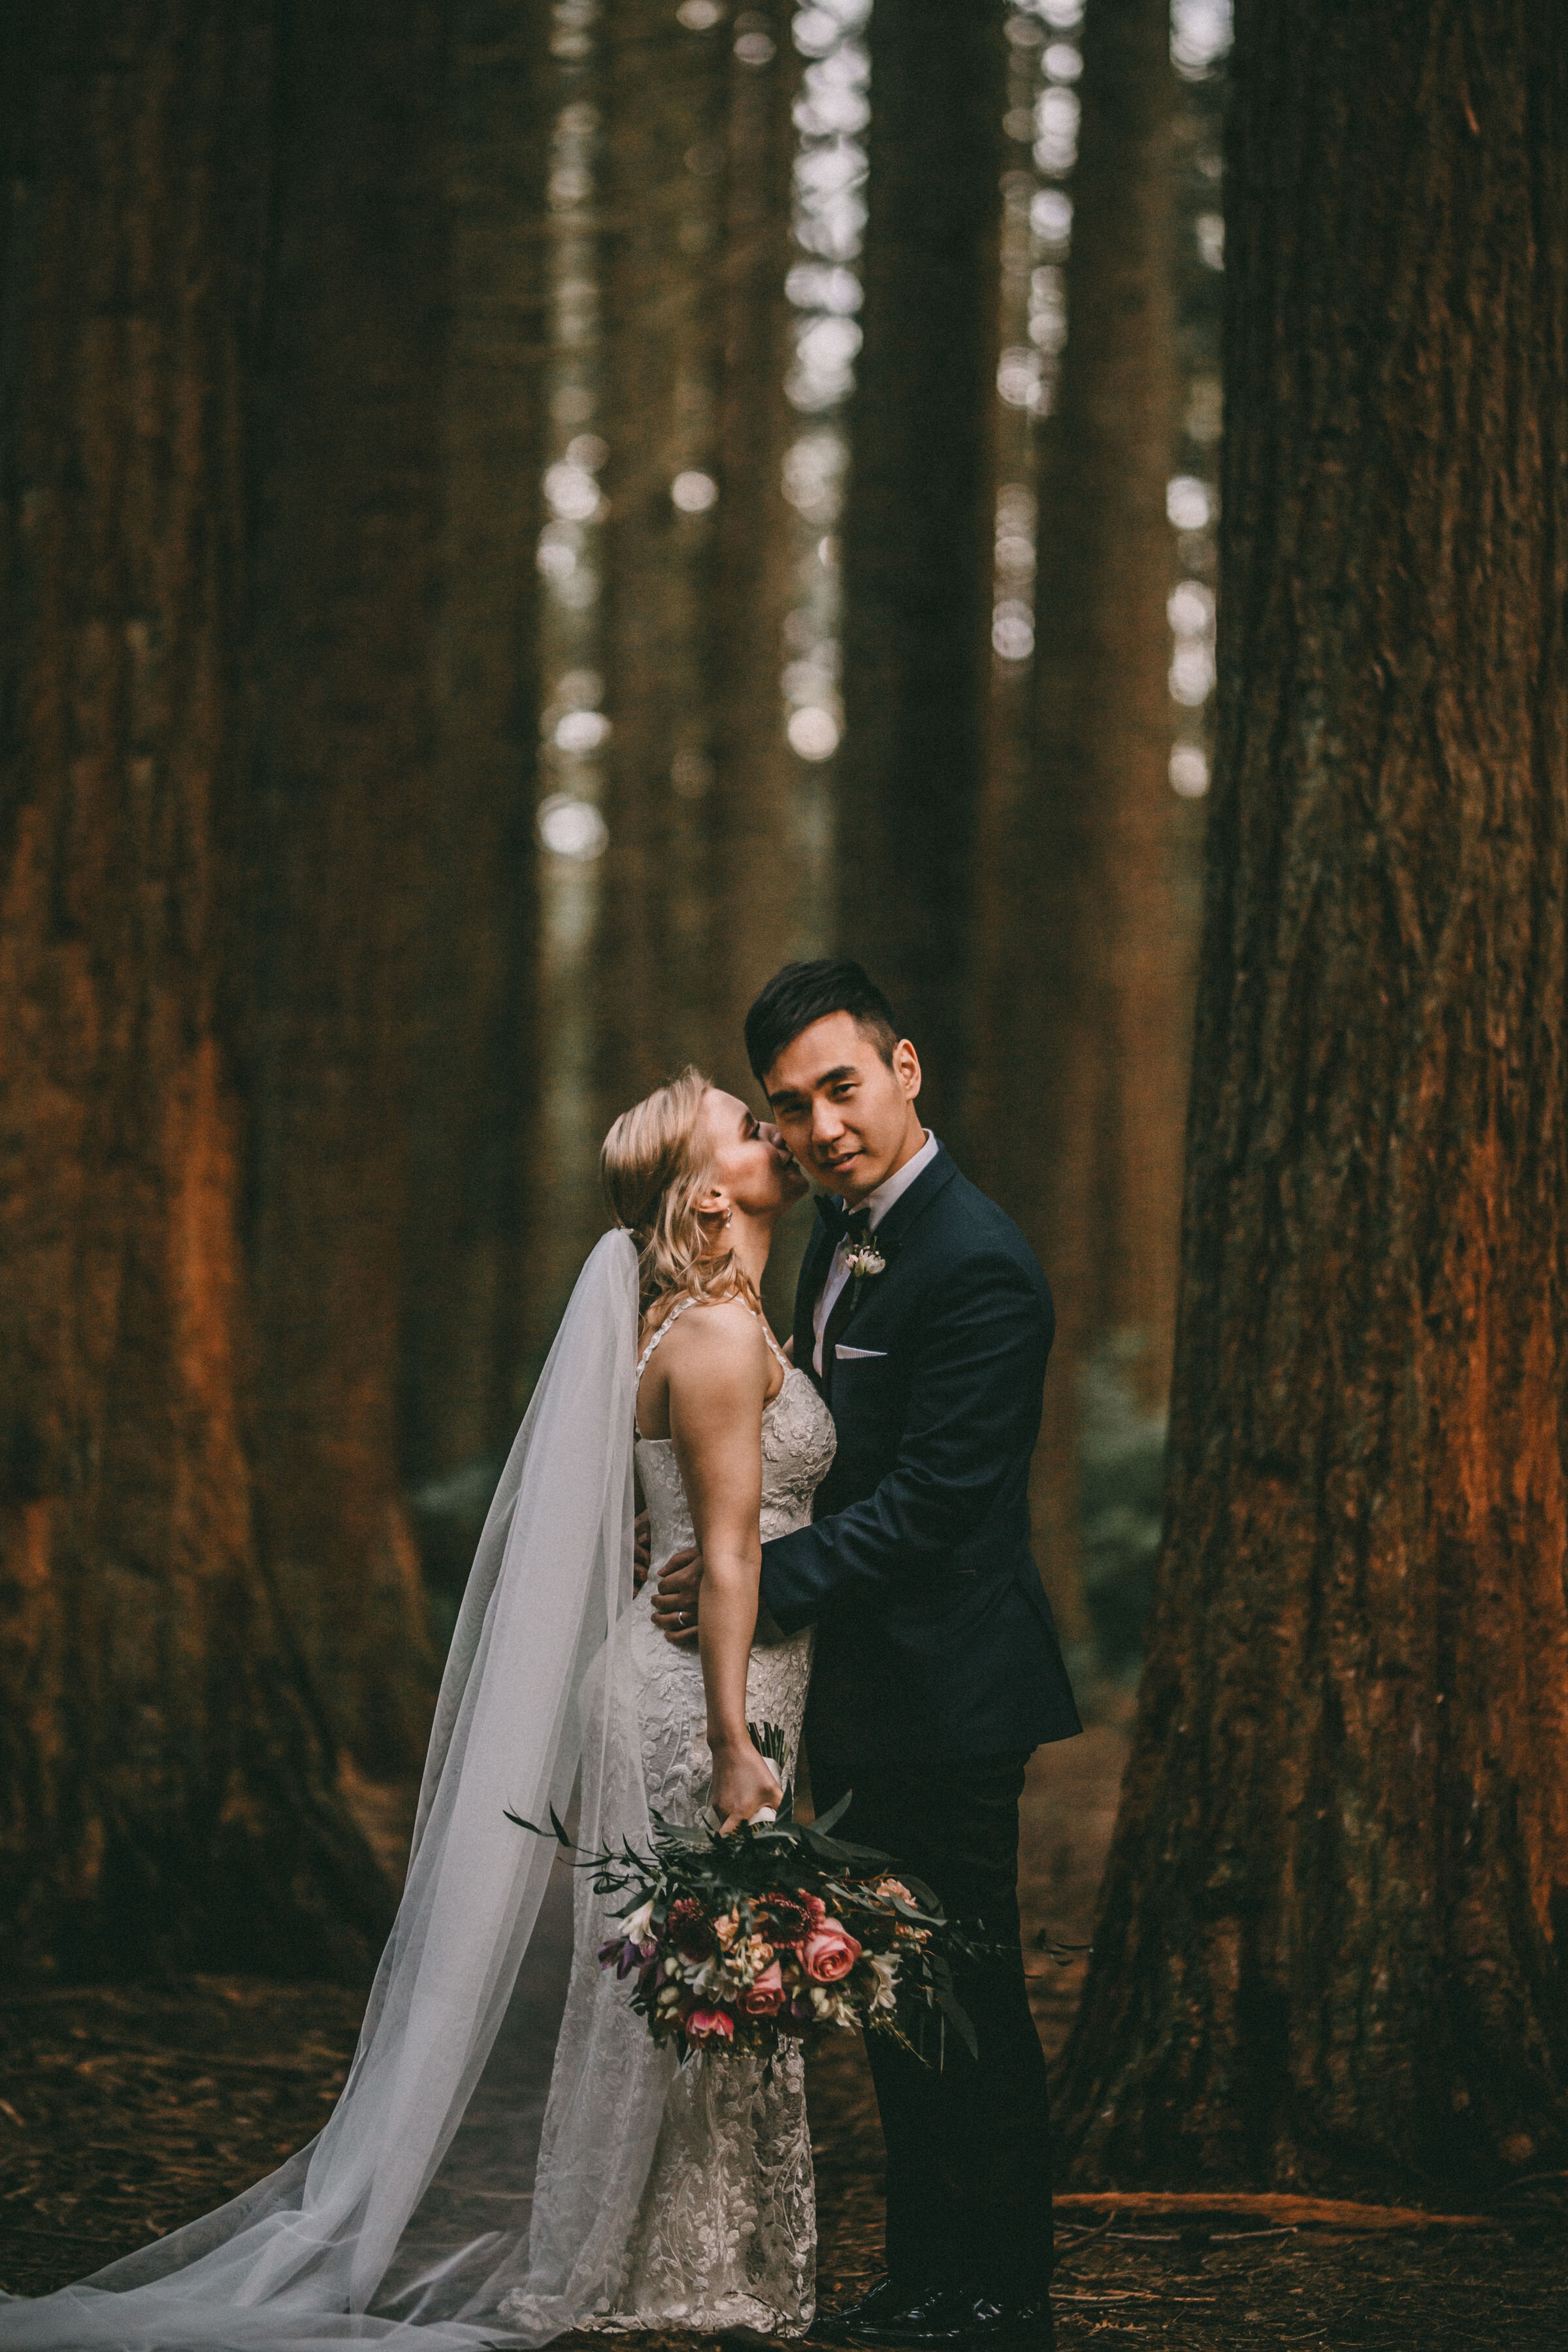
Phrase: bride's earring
(729, 1214)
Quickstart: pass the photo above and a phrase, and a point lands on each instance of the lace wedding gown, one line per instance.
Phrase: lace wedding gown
(725, 2230)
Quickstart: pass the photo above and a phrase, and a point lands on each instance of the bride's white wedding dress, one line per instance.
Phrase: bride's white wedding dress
(725, 2233)
(512, 2157)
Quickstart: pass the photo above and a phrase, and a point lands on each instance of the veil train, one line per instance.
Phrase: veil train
(412, 2219)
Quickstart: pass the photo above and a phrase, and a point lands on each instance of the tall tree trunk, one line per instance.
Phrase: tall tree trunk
(1096, 938)
(758, 854)
(348, 535)
(667, 89)
(165, 1788)
(917, 530)
(462, 1339)
(1331, 1943)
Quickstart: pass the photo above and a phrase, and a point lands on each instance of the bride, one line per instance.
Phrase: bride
(512, 2156)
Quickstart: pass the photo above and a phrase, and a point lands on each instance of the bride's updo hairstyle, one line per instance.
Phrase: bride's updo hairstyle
(653, 1167)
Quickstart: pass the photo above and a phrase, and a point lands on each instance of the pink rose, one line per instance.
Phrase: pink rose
(704, 2025)
(764, 1995)
(828, 1952)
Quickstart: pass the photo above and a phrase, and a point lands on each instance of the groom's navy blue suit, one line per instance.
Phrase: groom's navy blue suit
(936, 1671)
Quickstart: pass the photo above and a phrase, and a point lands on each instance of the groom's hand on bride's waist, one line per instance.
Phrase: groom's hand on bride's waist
(675, 1596)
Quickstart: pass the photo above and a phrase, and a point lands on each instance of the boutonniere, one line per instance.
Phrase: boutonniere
(866, 1262)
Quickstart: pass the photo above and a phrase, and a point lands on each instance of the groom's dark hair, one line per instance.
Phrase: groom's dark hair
(804, 992)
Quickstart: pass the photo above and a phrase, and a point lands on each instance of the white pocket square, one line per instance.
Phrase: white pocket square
(858, 1355)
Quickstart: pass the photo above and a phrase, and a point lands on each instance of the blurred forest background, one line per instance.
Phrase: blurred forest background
(519, 518)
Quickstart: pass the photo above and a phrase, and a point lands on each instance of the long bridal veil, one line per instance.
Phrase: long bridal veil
(458, 2196)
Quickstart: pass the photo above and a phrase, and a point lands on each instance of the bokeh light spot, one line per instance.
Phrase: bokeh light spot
(1013, 630)
(692, 773)
(572, 492)
(572, 828)
(581, 730)
(1188, 503)
(694, 493)
(813, 733)
(1189, 771)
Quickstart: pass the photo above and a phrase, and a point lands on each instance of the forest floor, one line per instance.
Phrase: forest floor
(126, 2109)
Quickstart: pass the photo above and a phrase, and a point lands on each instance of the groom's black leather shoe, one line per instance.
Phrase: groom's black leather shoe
(1008, 2322)
(894, 2312)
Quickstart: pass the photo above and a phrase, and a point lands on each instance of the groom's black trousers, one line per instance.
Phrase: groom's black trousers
(969, 2148)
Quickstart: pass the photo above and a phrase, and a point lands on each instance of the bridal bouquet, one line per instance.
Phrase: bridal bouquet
(775, 1932)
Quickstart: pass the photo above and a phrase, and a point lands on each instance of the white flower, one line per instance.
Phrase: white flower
(635, 1928)
(887, 1968)
(866, 1260)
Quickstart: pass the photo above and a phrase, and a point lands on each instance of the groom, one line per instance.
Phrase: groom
(925, 1321)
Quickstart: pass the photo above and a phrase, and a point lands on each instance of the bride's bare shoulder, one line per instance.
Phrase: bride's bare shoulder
(716, 1342)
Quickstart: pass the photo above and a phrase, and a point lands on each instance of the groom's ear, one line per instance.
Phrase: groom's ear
(907, 1069)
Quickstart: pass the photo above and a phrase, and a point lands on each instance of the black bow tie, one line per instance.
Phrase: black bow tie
(842, 1223)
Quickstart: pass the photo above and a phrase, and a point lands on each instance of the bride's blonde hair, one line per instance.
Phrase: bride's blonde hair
(653, 1168)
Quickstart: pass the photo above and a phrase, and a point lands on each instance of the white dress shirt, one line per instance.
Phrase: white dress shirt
(878, 1202)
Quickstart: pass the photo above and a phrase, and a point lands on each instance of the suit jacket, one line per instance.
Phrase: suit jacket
(934, 1633)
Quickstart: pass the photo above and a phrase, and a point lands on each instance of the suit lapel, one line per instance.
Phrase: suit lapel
(808, 1290)
(906, 1212)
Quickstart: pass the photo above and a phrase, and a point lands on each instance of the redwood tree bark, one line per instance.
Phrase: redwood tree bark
(666, 89)
(917, 536)
(165, 1788)
(349, 503)
(1331, 1941)
(757, 853)
(473, 1084)
(1093, 958)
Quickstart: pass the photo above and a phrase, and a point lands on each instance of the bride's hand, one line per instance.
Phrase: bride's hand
(743, 1784)
(675, 1597)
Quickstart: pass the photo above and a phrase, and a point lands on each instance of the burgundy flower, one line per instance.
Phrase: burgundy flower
(709, 2025)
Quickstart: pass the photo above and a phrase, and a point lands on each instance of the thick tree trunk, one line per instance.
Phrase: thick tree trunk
(666, 157)
(473, 1098)
(1092, 1008)
(1331, 1943)
(350, 486)
(166, 1791)
(917, 539)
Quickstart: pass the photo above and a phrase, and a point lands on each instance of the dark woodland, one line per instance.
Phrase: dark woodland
(518, 519)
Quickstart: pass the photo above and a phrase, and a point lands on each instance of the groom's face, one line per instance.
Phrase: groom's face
(847, 1118)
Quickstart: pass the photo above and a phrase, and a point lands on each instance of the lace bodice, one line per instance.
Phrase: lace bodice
(798, 1453)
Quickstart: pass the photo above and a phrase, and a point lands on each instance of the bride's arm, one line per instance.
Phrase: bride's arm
(718, 1378)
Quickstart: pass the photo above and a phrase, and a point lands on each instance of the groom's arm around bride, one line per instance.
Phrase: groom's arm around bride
(926, 1321)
